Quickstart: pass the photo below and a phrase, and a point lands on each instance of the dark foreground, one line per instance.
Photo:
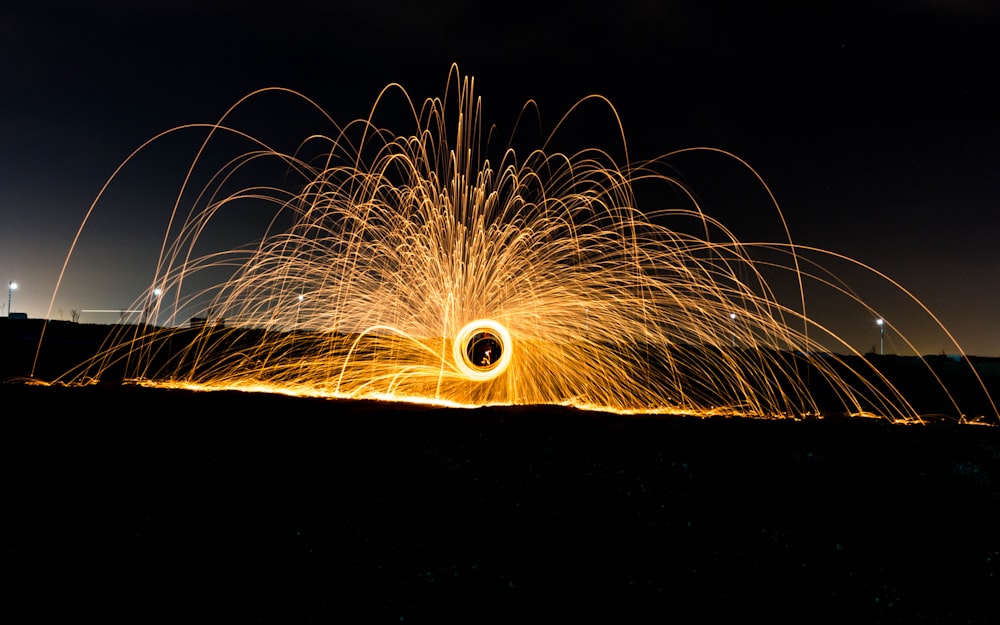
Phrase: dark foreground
(127, 504)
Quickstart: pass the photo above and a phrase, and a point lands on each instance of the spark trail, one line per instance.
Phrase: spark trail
(413, 267)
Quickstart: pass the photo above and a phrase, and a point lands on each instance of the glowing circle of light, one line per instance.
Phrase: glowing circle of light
(475, 349)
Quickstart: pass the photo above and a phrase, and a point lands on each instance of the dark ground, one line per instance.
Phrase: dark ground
(129, 504)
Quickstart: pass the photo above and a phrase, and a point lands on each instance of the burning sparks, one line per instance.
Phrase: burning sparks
(412, 267)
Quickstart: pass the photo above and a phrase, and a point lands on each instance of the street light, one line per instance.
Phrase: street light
(298, 309)
(733, 317)
(881, 336)
(150, 305)
(11, 287)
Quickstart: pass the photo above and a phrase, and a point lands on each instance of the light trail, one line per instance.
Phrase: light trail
(412, 267)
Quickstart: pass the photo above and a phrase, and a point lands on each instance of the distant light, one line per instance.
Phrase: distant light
(732, 316)
(11, 286)
(880, 321)
(156, 292)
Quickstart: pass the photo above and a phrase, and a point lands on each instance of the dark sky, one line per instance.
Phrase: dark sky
(876, 125)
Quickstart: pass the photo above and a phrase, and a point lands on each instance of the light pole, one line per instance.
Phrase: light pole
(11, 287)
(881, 336)
(150, 305)
(733, 317)
(298, 309)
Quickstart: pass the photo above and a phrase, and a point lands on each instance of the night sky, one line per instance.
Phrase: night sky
(876, 125)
